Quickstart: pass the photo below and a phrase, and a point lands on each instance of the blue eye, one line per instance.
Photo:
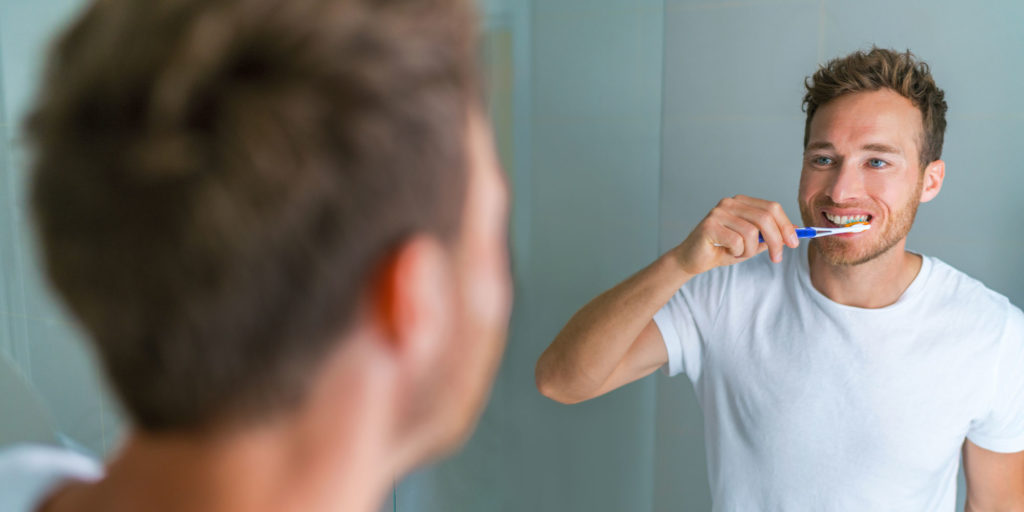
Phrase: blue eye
(876, 163)
(822, 160)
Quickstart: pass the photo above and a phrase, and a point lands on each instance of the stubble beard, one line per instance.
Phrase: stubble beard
(840, 252)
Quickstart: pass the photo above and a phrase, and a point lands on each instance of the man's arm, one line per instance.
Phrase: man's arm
(613, 341)
(995, 481)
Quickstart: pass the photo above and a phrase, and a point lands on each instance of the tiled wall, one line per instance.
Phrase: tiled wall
(34, 332)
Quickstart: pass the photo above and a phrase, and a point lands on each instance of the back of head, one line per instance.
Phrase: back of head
(883, 69)
(215, 180)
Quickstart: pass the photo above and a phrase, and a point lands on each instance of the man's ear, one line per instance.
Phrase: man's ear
(414, 302)
(934, 173)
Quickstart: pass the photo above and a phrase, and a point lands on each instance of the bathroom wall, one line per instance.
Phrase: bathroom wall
(35, 335)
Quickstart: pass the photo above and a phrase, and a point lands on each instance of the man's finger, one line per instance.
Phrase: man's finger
(767, 225)
(786, 227)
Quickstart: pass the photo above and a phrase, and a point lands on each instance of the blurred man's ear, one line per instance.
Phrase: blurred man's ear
(415, 304)
(934, 173)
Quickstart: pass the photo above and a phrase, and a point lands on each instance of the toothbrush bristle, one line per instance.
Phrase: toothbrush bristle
(862, 225)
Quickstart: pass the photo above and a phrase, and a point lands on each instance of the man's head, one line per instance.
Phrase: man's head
(872, 148)
(228, 192)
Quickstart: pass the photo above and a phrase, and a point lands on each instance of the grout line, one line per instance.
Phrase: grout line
(821, 32)
(661, 123)
(657, 239)
(103, 424)
(711, 6)
(15, 286)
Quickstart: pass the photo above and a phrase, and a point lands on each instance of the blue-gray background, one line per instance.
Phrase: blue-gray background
(623, 122)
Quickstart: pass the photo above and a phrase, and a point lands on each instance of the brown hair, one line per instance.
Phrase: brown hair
(876, 69)
(215, 180)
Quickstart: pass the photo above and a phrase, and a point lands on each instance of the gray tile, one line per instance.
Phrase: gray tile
(745, 60)
(596, 64)
(594, 194)
(26, 33)
(704, 161)
(66, 376)
(680, 474)
(113, 420)
(14, 313)
(967, 224)
(974, 48)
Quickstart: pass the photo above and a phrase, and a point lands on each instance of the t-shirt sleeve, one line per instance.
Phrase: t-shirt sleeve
(29, 473)
(1002, 428)
(686, 320)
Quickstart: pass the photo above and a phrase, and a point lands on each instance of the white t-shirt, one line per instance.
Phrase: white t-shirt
(30, 473)
(812, 405)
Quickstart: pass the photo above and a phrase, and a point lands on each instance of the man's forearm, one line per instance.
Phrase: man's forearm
(1012, 506)
(595, 340)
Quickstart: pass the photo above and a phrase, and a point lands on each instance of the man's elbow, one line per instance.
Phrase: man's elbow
(549, 386)
(556, 394)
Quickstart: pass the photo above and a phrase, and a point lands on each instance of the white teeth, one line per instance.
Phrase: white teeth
(843, 220)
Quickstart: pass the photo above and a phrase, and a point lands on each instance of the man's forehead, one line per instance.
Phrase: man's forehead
(876, 121)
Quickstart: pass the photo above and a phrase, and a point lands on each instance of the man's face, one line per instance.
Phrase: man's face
(861, 163)
(484, 290)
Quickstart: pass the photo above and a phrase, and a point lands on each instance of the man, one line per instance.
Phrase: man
(851, 374)
(282, 225)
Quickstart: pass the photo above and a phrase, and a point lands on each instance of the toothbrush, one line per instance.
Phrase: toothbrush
(853, 227)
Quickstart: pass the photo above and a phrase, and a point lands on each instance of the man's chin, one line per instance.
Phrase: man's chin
(839, 253)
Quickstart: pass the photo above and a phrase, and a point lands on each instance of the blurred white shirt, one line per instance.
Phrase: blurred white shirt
(29, 474)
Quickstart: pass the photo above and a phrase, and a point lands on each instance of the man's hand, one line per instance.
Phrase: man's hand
(729, 234)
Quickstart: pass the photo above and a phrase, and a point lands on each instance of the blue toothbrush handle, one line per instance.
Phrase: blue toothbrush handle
(800, 233)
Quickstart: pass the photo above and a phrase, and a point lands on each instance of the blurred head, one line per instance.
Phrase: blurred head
(226, 190)
(872, 148)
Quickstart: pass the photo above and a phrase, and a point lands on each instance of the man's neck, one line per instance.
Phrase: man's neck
(875, 284)
(336, 452)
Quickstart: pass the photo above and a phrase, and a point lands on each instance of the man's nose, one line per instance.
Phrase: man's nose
(847, 185)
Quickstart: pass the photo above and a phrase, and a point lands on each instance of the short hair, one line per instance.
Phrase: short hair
(876, 69)
(215, 182)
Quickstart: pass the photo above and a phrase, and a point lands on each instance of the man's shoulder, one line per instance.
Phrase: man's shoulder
(29, 473)
(965, 300)
(957, 287)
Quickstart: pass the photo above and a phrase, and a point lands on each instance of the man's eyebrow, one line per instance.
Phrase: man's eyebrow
(877, 147)
(882, 148)
(819, 145)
